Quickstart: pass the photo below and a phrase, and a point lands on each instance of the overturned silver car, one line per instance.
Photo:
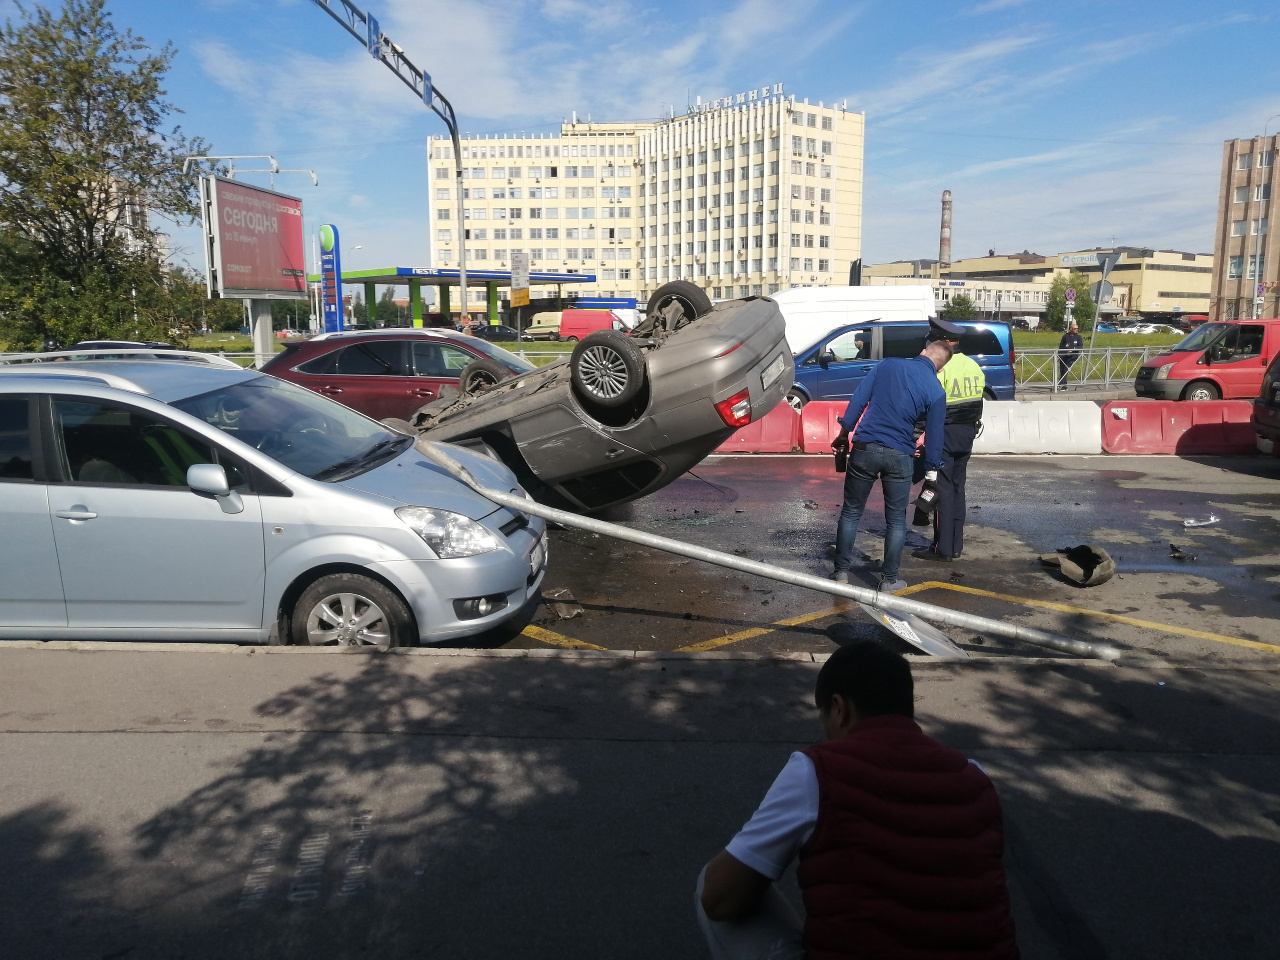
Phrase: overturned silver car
(625, 415)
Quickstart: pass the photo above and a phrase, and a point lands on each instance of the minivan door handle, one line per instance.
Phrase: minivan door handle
(78, 512)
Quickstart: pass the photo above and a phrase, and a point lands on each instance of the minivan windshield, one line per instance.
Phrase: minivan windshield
(306, 432)
(516, 365)
(1200, 338)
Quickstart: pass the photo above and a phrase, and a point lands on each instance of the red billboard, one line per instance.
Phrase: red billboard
(254, 241)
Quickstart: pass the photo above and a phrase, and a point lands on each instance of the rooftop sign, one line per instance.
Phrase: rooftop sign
(720, 103)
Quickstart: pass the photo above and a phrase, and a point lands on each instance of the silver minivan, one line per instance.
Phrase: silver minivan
(162, 500)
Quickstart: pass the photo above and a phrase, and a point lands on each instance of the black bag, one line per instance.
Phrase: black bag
(842, 455)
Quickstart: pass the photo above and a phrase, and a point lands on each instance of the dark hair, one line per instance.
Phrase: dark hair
(875, 680)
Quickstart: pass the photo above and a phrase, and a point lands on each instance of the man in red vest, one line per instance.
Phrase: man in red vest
(899, 838)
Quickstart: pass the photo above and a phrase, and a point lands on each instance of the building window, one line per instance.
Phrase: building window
(826, 146)
(442, 173)
(1244, 161)
(808, 239)
(500, 234)
(1256, 267)
(1262, 191)
(1240, 195)
(824, 266)
(773, 239)
(825, 171)
(795, 191)
(808, 263)
(824, 218)
(797, 119)
(444, 236)
(825, 195)
(811, 120)
(797, 167)
(797, 144)
(443, 213)
(444, 194)
(824, 241)
(808, 216)
(1257, 227)
(826, 123)
(1266, 158)
(624, 273)
(795, 240)
(773, 267)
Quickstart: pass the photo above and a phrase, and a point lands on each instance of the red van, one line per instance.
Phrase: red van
(1217, 361)
(576, 324)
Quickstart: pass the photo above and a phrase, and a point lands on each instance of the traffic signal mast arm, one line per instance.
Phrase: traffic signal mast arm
(365, 29)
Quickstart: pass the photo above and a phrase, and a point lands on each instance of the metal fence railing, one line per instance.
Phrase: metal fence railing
(1101, 366)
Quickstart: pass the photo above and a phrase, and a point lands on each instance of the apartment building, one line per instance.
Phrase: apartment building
(1242, 262)
(743, 195)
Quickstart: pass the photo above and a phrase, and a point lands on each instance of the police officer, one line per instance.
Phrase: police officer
(963, 381)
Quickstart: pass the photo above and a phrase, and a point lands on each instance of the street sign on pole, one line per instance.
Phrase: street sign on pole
(1262, 289)
(1071, 295)
(1108, 260)
(519, 279)
(1101, 292)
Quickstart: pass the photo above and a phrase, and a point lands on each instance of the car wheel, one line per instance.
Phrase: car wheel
(347, 609)
(479, 375)
(692, 299)
(571, 339)
(988, 394)
(607, 369)
(796, 400)
(1202, 390)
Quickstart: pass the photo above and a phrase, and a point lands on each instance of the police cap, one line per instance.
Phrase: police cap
(940, 329)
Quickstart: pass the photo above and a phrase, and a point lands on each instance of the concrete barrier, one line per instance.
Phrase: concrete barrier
(778, 431)
(818, 424)
(1178, 427)
(1040, 426)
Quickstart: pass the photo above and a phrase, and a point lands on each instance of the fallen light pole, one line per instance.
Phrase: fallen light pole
(438, 454)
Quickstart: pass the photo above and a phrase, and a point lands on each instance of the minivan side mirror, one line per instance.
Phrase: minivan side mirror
(825, 356)
(210, 480)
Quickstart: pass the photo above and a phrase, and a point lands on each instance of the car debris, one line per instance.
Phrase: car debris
(1086, 564)
(1178, 553)
(1206, 522)
(921, 635)
(562, 603)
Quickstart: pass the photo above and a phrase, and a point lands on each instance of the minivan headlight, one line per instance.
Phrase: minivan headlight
(1163, 372)
(450, 535)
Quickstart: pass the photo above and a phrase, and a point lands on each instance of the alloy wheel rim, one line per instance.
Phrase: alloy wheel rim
(347, 619)
(603, 372)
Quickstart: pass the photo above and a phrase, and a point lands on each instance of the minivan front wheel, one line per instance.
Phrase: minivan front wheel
(347, 609)
(1202, 390)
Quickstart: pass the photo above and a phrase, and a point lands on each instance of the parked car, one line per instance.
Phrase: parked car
(391, 373)
(101, 349)
(544, 326)
(812, 313)
(577, 324)
(498, 333)
(625, 415)
(1216, 361)
(164, 500)
(1266, 410)
(832, 368)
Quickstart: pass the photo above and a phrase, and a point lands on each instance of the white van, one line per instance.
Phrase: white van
(813, 312)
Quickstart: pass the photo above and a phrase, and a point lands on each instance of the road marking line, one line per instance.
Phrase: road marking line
(724, 641)
(1118, 618)
(558, 639)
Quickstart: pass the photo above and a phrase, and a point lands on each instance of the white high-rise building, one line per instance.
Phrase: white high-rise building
(743, 196)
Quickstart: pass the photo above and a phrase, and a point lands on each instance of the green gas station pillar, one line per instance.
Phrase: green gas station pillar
(415, 301)
(371, 303)
(444, 304)
(492, 288)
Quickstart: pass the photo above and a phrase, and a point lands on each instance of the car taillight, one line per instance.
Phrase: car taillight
(721, 356)
(736, 411)
(1013, 354)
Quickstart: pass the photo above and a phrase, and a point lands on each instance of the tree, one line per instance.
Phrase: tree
(86, 156)
(1056, 310)
(959, 307)
(387, 312)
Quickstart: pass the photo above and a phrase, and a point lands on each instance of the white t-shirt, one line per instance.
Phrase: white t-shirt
(784, 821)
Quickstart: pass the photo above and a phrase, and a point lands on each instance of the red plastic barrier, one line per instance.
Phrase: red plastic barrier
(1177, 426)
(778, 431)
(818, 425)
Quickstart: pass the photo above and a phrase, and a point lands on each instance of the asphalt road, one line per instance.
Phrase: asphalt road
(1222, 606)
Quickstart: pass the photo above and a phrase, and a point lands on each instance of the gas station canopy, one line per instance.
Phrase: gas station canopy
(415, 278)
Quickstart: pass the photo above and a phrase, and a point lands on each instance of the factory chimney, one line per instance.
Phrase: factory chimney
(944, 235)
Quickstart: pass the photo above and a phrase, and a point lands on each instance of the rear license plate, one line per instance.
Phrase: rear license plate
(772, 372)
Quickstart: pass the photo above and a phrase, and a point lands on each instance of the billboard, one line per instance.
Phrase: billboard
(331, 279)
(253, 241)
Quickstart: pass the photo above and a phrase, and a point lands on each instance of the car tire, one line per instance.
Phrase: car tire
(796, 399)
(607, 369)
(480, 375)
(1201, 390)
(323, 614)
(691, 297)
(988, 394)
(570, 339)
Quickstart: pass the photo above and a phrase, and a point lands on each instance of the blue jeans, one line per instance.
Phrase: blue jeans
(893, 468)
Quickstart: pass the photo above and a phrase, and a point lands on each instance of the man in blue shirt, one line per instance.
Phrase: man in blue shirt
(882, 415)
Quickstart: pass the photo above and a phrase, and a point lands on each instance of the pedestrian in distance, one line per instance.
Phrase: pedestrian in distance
(899, 839)
(963, 382)
(1069, 348)
(882, 415)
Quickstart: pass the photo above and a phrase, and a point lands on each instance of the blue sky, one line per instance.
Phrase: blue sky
(1056, 126)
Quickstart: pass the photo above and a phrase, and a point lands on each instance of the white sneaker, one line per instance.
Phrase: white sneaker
(891, 586)
(840, 576)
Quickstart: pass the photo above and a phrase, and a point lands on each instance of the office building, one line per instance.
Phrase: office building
(743, 196)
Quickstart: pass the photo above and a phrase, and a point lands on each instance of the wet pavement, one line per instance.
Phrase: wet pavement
(1222, 605)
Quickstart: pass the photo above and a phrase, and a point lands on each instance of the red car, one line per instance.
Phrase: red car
(392, 372)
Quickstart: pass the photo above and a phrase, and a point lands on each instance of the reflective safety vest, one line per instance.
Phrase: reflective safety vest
(963, 381)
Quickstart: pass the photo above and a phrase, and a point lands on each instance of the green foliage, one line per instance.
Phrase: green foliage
(959, 307)
(1083, 310)
(387, 311)
(86, 156)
